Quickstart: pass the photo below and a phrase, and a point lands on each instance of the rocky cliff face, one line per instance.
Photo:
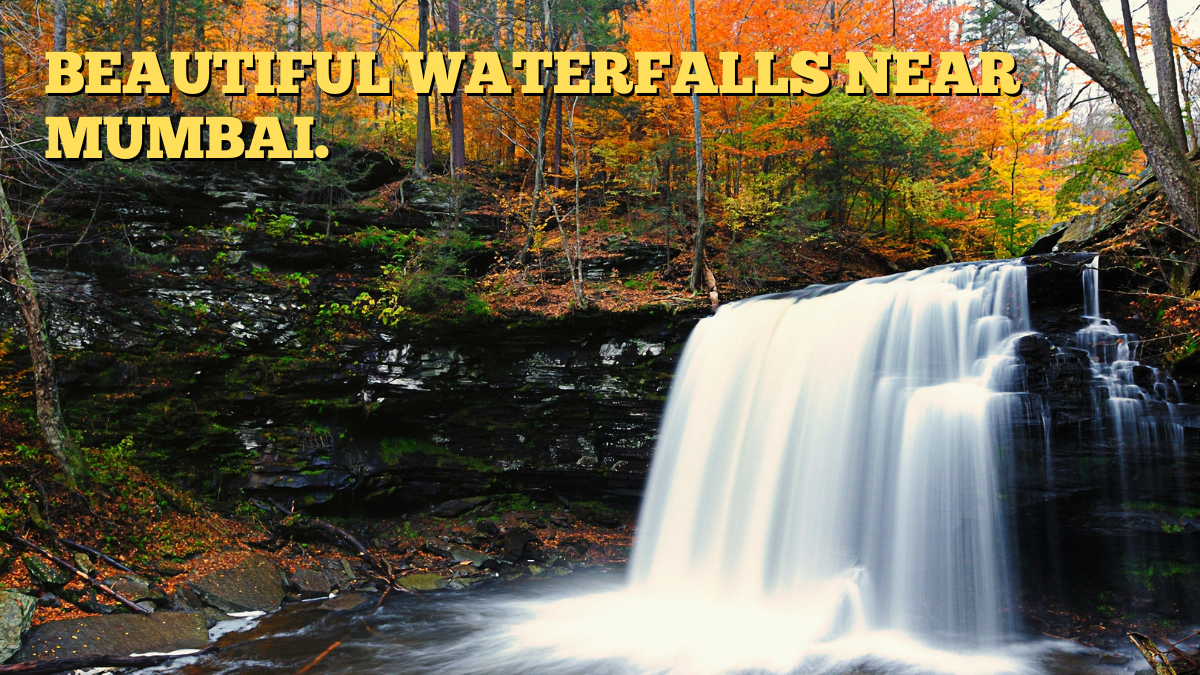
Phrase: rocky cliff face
(204, 330)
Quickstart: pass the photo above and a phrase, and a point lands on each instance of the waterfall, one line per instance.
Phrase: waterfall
(841, 448)
(1137, 401)
(832, 480)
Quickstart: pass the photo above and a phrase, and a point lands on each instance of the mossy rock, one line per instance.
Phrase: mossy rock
(428, 581)
(45, 573)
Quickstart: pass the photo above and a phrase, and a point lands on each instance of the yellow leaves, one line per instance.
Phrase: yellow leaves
(1022, 159)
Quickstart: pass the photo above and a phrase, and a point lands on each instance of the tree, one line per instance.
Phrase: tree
(21, 284)
(3, 88)
(423, 153)
(319, 37)
(699, 268)
(458, 151)
(60, 45)
(1164, 69)
(1113, 70)
(1131, 38)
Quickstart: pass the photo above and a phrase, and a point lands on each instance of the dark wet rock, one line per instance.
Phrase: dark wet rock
(488, 527)
(44, 573)
(213, 616)
(49, 600)
(457, 507)
(254, 585)
(16, 615)
(344, 603)
(438, 548)
(1035, 347)
(463, 554)
(135, 588)
(338, 571)
(146, 605)
(463, 583)
(186, 595)
(514, 543)
(594, 516)
(426, 581)
(84, 563)
(115, 634)
(311, 584)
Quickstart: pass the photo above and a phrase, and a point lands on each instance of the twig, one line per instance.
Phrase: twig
(340, 533)
(320, 656)
(47, 666)
(89, 550)
(79, 573)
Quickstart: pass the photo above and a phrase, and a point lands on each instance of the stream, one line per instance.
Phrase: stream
(496, 628)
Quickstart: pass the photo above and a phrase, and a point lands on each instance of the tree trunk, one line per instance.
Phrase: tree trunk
(21, 285)
(1164, 70)
(1183, 92)
(319, 36)
(539, 162)
(698, 267)
(539, 159)
(299, 46)
(60, 45)
(376, 33)
(458, 151)
(423, 155)
(558, 141)
(3, 88)
(529, 24)
(1114, 72)
(510, 9)
(137, 27)
(162, 27)
(1131, 39)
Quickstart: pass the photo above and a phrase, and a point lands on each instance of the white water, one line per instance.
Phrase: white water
(1114, 359)
(827, 487)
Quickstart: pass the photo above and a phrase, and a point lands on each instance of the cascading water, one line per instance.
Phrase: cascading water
(1129, 390)
(829, 479)
(841, 447)
(831, 482)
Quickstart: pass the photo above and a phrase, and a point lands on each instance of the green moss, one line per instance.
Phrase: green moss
(395, 450)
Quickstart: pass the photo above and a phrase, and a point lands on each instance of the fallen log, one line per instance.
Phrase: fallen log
(133, 606)
(100, 555)
(1150, 651)
(65, 665)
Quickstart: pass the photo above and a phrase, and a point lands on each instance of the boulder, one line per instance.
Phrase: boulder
(457, 507)
(438, 548)
(255, 585)
(116, 634)
(311, 584)
(44, 573)
(135, 588)
(16, 614)
(422, 582)
(344, 603)
(514, 541)
(338, 571)
(464, 554)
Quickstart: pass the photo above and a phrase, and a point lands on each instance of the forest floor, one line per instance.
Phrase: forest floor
(170, 538)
